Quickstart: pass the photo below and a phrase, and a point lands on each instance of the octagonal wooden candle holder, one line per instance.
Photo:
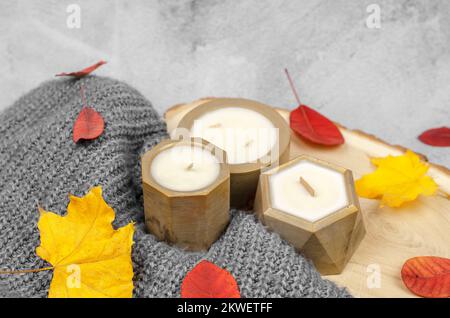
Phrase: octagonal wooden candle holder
(189, 219)
(245, 175)
(329, 241)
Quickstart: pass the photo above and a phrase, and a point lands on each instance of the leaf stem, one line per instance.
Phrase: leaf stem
(83, 96)
(24, 271)
(291, 83)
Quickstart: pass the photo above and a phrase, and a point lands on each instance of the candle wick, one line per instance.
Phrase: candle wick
(248, 143)
(215, 125)
(291, 83)
(307, 186)
(191, 165)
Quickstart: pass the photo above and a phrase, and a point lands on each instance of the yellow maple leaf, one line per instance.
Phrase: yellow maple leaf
(397, 180)
(89, 257)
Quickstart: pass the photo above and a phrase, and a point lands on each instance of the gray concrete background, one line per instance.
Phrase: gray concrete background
(393, 82)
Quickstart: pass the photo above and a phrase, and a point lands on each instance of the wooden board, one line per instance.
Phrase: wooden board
(393, 235)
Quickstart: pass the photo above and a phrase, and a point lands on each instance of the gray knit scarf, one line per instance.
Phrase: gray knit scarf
(39, 163)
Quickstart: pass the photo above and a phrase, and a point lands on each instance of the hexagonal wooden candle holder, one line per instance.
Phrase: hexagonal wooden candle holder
(189, 219)
(245, 176)
(329, 241)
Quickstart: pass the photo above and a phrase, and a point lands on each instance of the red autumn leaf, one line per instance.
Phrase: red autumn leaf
(85, 71)
(88, 125)
(207, 280)
(315, 127)
(439, 137)
(312, 125)
(427, 276)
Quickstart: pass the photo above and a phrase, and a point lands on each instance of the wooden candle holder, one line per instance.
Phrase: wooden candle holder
(244, 177)
(192, 220)
(329, 242)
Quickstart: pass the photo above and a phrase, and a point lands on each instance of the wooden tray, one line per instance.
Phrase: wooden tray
(393, 235)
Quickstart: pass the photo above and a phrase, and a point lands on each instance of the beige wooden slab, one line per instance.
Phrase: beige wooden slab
(393, 235)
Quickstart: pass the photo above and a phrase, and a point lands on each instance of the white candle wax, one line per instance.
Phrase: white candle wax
(244, 134)
(185, 168)
(288, 194)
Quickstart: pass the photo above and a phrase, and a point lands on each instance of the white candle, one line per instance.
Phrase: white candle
(244, 134)
(290, 195)
(185, 168)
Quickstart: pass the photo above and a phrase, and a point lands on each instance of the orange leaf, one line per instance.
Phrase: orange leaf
(427, 276)
(312, 125)
(207, 280)
(88, 125)
(315, 127)
(86, 71)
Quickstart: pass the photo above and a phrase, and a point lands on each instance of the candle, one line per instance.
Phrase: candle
(313, 205)
(253, 135)
(186, 189)
(245, 134)
(185, 168)
(308, 190)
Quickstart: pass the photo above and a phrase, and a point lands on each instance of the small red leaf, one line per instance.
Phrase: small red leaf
(207, 280)
(439, 137)
(85, 71)
(427, 276)
(315, 127)
(88, 125)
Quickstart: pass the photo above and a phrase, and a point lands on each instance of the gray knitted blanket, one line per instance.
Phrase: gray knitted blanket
(39, 163)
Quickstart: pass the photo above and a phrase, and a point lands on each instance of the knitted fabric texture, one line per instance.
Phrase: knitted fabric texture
(40, 164)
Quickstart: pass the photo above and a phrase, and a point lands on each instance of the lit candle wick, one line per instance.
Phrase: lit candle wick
(307, 186)
(215, 125)
(191, 165)
(248, 143)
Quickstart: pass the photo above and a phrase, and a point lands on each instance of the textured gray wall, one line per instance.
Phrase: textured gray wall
(393, 82)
